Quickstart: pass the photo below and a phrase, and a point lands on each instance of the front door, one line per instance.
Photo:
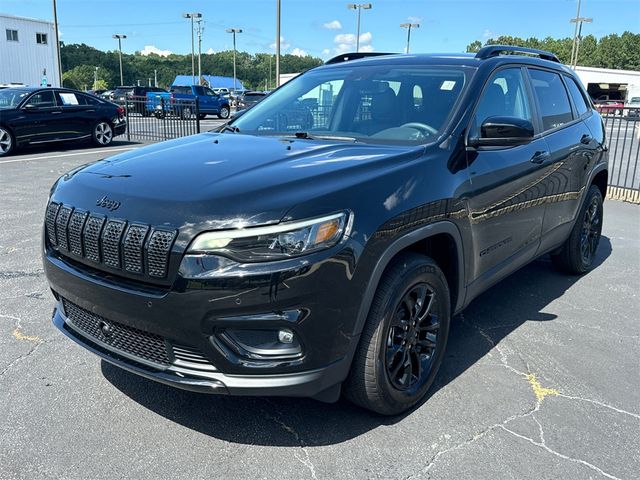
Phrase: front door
(40, 120)
(504, 188)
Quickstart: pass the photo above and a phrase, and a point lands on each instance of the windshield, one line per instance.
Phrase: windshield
(11, 97)
(405, 104)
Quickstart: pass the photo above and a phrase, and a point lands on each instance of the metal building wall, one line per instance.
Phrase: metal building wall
(25, 60)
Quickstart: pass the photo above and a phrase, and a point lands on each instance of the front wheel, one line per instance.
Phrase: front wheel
(579, 250)
(7, 143)
(224, 112)
(404, 338)
(102, 133)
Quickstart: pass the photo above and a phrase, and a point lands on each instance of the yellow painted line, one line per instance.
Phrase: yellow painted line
(540, 391)
(63, 155)
(18, 335)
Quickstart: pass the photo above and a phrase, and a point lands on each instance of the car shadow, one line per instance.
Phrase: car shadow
(521, 298)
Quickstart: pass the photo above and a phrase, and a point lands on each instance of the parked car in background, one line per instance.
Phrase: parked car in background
(134, 97)
(607, 107)
(633, 106)
(249, 99)
(11, 85)
(30, 115)
(106, 95)
(181, 101)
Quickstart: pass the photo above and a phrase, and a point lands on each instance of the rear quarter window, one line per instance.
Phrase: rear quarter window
(577, 96)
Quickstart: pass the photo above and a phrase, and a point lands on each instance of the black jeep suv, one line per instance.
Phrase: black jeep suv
(276, 258)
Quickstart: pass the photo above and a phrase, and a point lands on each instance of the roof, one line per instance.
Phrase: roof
(212, 80)
(25, 19)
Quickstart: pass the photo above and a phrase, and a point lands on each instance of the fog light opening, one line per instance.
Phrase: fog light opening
(285, 336)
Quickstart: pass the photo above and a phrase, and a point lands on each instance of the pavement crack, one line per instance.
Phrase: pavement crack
(601, 404)
(10, 274)
(21, 357)
(304, 460)
(543, 444)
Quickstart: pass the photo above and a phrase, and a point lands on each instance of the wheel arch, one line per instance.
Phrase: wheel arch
(442, 242)
(601, 179)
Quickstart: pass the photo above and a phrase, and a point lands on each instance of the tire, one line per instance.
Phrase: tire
(7, 142)
(224, 112)
(186, 113)
(102, 133)
(159, 115)
(578, 251)
(202, 116)
(388, 376)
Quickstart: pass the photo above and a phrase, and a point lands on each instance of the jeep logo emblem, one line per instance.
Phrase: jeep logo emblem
(110, 205)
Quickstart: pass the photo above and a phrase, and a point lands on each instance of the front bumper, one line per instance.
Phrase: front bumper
(191, 312)
(305, 384)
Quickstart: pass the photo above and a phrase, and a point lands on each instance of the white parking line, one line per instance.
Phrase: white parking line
(62, 155)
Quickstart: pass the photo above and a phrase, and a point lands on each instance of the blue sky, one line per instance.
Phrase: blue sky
(322, 27)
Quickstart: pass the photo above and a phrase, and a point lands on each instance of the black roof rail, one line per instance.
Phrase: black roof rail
(495, 50)
(346, 57)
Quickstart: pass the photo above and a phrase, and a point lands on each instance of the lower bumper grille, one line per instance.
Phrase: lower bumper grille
(138, 343)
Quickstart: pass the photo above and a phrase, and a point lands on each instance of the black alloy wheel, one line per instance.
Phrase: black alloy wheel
(412, 339)
(404, 337)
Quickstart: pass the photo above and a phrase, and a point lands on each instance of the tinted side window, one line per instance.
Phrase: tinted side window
(576, 94)
(505, 95)
(42, 99)
(555, 109)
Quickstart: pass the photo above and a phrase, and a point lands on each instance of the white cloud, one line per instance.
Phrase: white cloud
(211, 51)
(149, 49)
(346, 42)
(333, 25)
(487, 33)
(298, 52)
(326, 51)
(414, 19)
(284, 45)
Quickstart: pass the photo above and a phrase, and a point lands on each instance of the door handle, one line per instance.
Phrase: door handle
(586, 139)
(540, 156)
(56, 112)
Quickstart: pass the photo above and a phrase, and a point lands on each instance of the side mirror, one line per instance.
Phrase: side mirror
(503, 132)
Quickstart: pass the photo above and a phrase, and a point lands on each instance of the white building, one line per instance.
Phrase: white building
(28, 52)
(606, 83)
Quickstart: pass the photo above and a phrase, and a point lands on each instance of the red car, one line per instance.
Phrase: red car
(614, 107)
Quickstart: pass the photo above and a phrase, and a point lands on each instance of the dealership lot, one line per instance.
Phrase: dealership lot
(540, 380)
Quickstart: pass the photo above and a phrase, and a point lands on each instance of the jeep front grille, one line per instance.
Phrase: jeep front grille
(134, 249)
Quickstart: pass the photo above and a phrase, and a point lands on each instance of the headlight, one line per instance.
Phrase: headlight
(276, 242)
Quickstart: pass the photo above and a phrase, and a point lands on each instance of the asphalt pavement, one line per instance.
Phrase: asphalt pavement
(541, 380)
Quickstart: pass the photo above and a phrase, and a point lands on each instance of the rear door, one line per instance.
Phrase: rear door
(571, 149)
(504, 196)
(77, 117)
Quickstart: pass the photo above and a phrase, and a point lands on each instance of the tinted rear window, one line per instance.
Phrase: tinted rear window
(555, 109)
(181, 90)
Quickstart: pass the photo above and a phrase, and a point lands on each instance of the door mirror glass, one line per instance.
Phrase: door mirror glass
(504, 131)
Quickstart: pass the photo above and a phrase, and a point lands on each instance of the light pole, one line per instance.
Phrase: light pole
(95, 79)
(55, 27)
(200, 30)
(120, 36)
(578, 21)
(409, 26)
(233, 31)
(359, 7)
(277, 43)
(192, 16)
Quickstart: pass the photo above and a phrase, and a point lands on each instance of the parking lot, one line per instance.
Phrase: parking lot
(540, 380)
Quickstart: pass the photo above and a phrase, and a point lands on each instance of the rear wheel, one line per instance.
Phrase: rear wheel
(579, 250)
(7, 143)
(186, 113)
(102, 133)
(404, 339)
(224, 112)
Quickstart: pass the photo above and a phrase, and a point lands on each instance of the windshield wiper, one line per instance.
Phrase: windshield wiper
(229, 128)
(307, 136)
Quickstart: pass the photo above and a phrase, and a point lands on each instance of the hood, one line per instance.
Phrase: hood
(213, 181)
